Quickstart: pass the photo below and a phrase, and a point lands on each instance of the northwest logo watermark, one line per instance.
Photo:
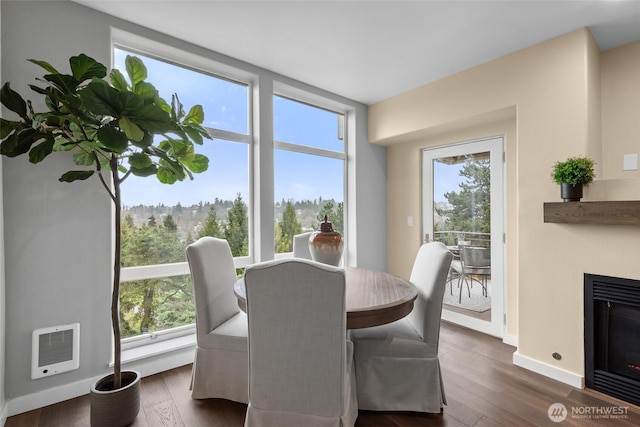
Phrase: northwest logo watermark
(558, 412)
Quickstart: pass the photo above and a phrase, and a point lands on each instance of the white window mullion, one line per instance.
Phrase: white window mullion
(309, 150)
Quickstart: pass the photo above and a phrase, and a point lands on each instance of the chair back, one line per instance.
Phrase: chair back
(213, 275)
(475, 256)
(301, 245)
(429, 274)
(297, 337)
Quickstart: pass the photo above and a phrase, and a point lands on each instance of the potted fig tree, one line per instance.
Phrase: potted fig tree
(572, 175)
(113, 128)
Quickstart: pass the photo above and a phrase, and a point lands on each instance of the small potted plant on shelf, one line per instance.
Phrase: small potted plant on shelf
(572, 175)
(114, 128)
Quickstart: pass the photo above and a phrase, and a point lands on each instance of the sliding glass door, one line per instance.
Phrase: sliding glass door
(463, 208)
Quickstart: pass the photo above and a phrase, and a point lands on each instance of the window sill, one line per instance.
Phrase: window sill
(157, 349)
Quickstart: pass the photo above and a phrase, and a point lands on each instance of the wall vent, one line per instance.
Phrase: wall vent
(55, 350)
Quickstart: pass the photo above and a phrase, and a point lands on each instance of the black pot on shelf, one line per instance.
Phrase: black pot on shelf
(570, 192)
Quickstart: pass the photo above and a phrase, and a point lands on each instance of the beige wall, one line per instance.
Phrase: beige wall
(547, 101)
(620, 69)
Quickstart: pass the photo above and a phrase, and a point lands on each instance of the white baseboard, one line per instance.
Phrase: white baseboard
(54, 395)
(557, 374)
(4, 410)
(511, 340)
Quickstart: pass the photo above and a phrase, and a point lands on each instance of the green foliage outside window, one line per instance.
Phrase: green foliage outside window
(154, 304)
(470, 208)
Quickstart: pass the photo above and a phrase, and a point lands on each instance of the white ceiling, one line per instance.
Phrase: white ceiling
(371, 50)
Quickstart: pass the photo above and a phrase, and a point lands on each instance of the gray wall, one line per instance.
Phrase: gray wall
(57, 262)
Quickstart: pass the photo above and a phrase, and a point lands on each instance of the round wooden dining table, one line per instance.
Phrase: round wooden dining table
(372, 297)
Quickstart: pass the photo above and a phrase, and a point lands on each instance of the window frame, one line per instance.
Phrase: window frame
(262, 87)
(295, 95)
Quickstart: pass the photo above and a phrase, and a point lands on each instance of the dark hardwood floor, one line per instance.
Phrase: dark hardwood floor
(482, 385)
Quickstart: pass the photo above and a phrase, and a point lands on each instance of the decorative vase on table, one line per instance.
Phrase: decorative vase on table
(326, 245)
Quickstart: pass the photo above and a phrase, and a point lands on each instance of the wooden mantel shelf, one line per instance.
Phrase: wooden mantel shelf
(607, 213)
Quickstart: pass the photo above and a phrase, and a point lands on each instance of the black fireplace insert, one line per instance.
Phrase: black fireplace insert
(612, 336)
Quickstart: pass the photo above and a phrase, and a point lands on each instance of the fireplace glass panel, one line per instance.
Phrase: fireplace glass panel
(618, 339)
(612, 336)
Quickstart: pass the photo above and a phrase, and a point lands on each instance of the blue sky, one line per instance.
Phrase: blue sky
(225, 104)
(446, 179)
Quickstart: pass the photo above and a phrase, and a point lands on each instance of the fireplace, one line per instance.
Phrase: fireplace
(612, 336)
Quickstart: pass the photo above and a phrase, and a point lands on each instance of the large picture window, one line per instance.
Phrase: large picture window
(160, 220)
(309, 165)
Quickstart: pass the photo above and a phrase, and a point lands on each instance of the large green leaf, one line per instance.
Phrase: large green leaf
(146, 90)
(135, 69)
(13, 101)
(41, 151)
(45, 65)
(140, 160)
(198, 164)
(63, 82)
(195, 115)
(63, 144)
(6, 127)
(146, 171)
(85, 68)
(118, 81)
(83, 158)
(174, 166)
(145, 142)
(166, 176)
(196, 133)
(101, 99)
(131, 102)
(150, 118)
(131, 129)
(38, 89)
(112, 139)
(18, 143)
(179, 148)
(75, 176)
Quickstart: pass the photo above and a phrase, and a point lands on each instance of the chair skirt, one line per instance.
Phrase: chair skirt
(220, 374)
(396, 370)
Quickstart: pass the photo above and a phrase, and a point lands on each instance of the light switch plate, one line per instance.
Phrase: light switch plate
(630, 162)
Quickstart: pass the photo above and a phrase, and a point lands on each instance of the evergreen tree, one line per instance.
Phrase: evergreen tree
(211, 225)
(289, 227)
(152, 221)
(140, 299)
(338, 219)
(237, 230)
(471, 206)
(170, 224)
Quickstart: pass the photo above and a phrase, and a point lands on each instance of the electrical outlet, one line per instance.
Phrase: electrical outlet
(630, 162)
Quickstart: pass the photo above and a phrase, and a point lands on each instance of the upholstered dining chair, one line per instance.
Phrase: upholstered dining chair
(397, 366)
(300, 361)
(301, 245)
(220, 367)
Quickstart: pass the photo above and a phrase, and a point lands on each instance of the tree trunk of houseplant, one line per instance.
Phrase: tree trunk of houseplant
(115, 398)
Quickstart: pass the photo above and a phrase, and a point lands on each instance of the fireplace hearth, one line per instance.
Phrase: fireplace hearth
(612, 336)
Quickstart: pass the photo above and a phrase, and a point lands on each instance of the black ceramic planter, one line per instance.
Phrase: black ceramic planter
(571, 193)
